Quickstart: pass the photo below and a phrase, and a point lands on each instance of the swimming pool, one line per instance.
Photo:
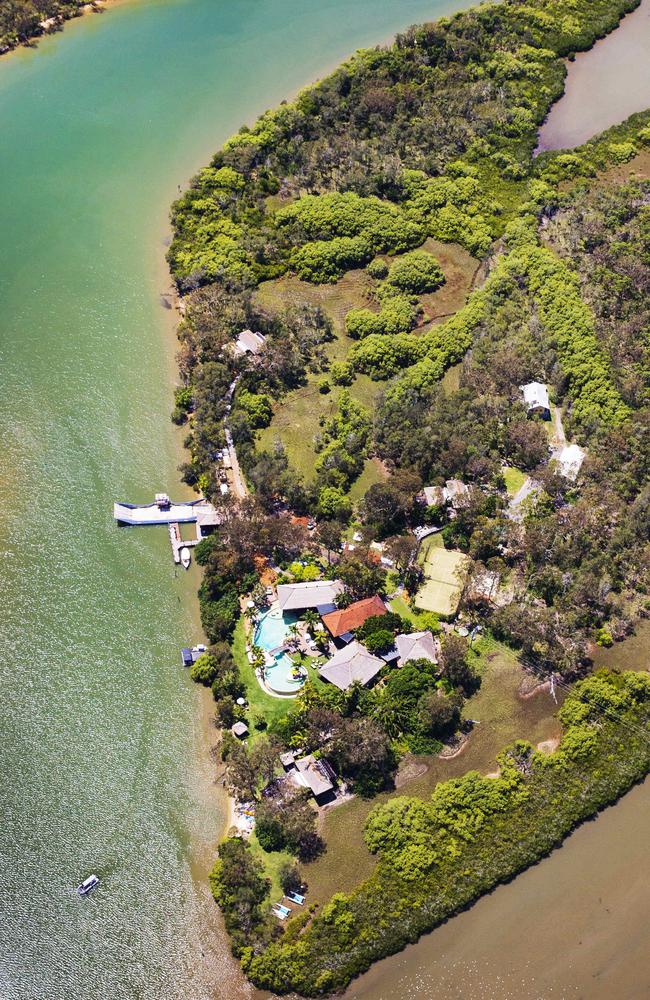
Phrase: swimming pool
(271, 632)
(273, 628)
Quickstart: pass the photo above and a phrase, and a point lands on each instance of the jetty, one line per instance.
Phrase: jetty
(166, 511)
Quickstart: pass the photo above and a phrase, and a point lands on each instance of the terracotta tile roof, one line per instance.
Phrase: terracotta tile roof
(346, 620)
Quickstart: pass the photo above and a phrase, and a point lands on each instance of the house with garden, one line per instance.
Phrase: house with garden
(342, 622)
(353, 664)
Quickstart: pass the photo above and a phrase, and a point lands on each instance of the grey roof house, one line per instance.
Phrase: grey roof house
(350, 665)
(317, 775)
(416, 646)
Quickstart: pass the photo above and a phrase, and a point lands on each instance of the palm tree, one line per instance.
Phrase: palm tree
(311, 619)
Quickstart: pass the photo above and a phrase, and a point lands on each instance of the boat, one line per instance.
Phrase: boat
(91, 883)
(185, 557)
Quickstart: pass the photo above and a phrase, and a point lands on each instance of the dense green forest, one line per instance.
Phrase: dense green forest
(432, 137)
(324, 227)
(20, 20)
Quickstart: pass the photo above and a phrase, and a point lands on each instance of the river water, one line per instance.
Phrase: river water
(604, 85)
(104, 756)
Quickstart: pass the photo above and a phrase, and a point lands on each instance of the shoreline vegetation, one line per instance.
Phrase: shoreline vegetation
(347, 229)
(24, 22)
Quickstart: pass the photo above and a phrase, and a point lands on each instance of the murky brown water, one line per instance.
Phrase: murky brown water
(603, 86)
(574, 927)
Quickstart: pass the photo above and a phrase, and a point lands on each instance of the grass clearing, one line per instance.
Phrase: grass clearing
(514, 479)
(400, 607)
(297, 421)
(460, 270)
(373, 473)
(272, 862)
(501, 716)
(298, 416)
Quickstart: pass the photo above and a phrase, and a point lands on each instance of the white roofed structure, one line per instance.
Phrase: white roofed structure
(536, 398)
(456, 493)
(434, 496)
(570, 461)
(249, 342)
(352, 664)
(416, 646)
(315, 594)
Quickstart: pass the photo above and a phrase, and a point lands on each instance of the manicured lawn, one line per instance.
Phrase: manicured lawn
(400, 607)
(514, 479)
(272, 861)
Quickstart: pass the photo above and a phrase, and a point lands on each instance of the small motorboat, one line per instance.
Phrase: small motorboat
(185, 557)
(91, 883)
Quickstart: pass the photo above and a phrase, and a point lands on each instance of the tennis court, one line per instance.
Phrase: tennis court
(444, 570)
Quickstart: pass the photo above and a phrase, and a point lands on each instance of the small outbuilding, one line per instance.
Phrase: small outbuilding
(536, 400)
(240, 730)
(249, 342)
(318, 776)
(570, 461)
(288, 760)
(207, 520)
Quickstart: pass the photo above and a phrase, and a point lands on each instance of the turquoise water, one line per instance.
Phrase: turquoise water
(104, 764)
(272, 629)
(271, 632)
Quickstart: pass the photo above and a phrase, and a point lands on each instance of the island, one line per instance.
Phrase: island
(414, 385)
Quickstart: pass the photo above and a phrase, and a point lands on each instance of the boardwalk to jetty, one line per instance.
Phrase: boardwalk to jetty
(142, 515)
(173, 515)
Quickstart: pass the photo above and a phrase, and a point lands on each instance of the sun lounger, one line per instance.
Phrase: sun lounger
(295, 897)
(281, 911)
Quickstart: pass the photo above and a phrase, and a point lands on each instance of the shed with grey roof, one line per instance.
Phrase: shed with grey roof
(318, 776)
(315, 594)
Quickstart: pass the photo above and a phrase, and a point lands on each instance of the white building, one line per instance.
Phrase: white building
(570, 461)
(249, 343)
(314, 594)
(536, 399)
(417, 646)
